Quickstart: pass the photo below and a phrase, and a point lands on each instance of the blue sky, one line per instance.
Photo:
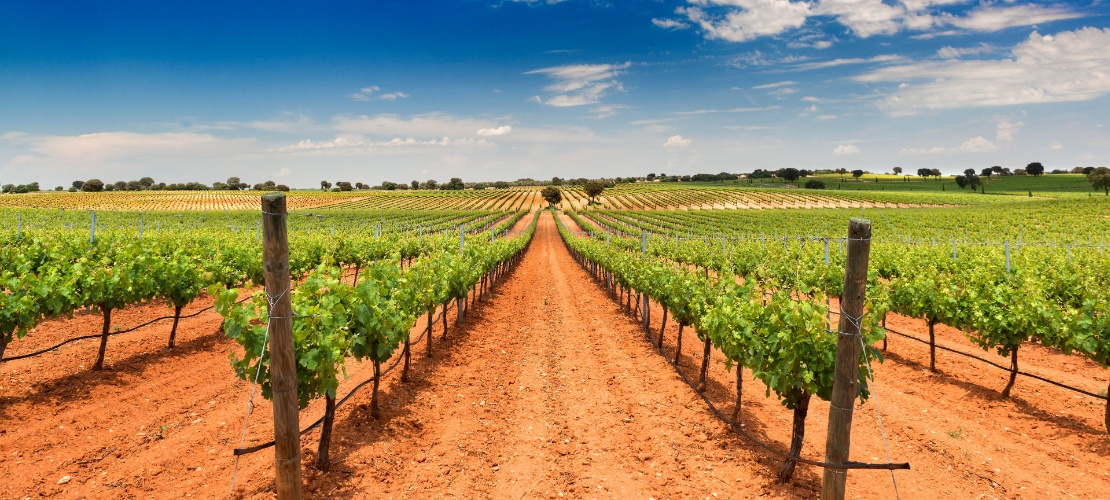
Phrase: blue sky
(298, 92)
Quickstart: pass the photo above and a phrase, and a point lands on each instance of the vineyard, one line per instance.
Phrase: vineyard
(466, 343)
(173, 201)
(741, 196)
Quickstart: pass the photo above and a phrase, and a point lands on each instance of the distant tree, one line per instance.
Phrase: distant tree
(594, 189)
(552, 195)
(555, 181)
(8, 188)
(430, 185)
(973, 181)
(120, 185)
(857, 174)
(897, 170)
(344, 185)
(234, 183)
(389, 186)
(92, 185)
(218, 186)
(146, 182)
(961, 181)
(134, 186)
(455, 184)
(325, 185)
(109, 187)
(758, 173)
(789, 174)
(416, 184)
(77, 185)
(1088, 170)
(651, 177)
(1100, 179)
(935, 173)
(997, 169)
(842, 171)
(805, 173)
(501, 185)
(281, 187)
(970, 171)
(924, 173)
(1035, 169)
(815, 184)
(59, 188)
(987, 172)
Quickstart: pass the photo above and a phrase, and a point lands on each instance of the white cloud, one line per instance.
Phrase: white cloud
(846, 61)
(748, 19)
(1056, 146)
(580, 84)
(937, 34)
(368, 94)
(676, 141)
(756, 58)
(949, 52)
(488, 132)
(294, 124)
(358, 145)
(919, 151)
(1004, 134)
(656, 121)
(824, 118)
(435, 126)
(669, 24)
(606, 110)
(846, 149)
(775, 85)
(978, 144)
(1070, 66)
(864, 17)
(732, 110)
(1006, 130)
(993, 17)
(424, 126)
(283, 172)
(103, 147)
(744, 20)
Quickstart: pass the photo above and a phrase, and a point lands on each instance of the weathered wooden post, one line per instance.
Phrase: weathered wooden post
(848, 345)
(283, 368)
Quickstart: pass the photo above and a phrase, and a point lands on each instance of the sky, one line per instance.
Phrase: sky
(368, 91)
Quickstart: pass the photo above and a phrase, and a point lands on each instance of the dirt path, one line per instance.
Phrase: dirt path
(549, 392)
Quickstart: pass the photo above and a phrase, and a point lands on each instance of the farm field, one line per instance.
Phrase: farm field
(174, 201)
(548, 386)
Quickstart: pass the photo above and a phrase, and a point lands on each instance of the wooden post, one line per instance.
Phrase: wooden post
(848, 345)
(283, 368)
